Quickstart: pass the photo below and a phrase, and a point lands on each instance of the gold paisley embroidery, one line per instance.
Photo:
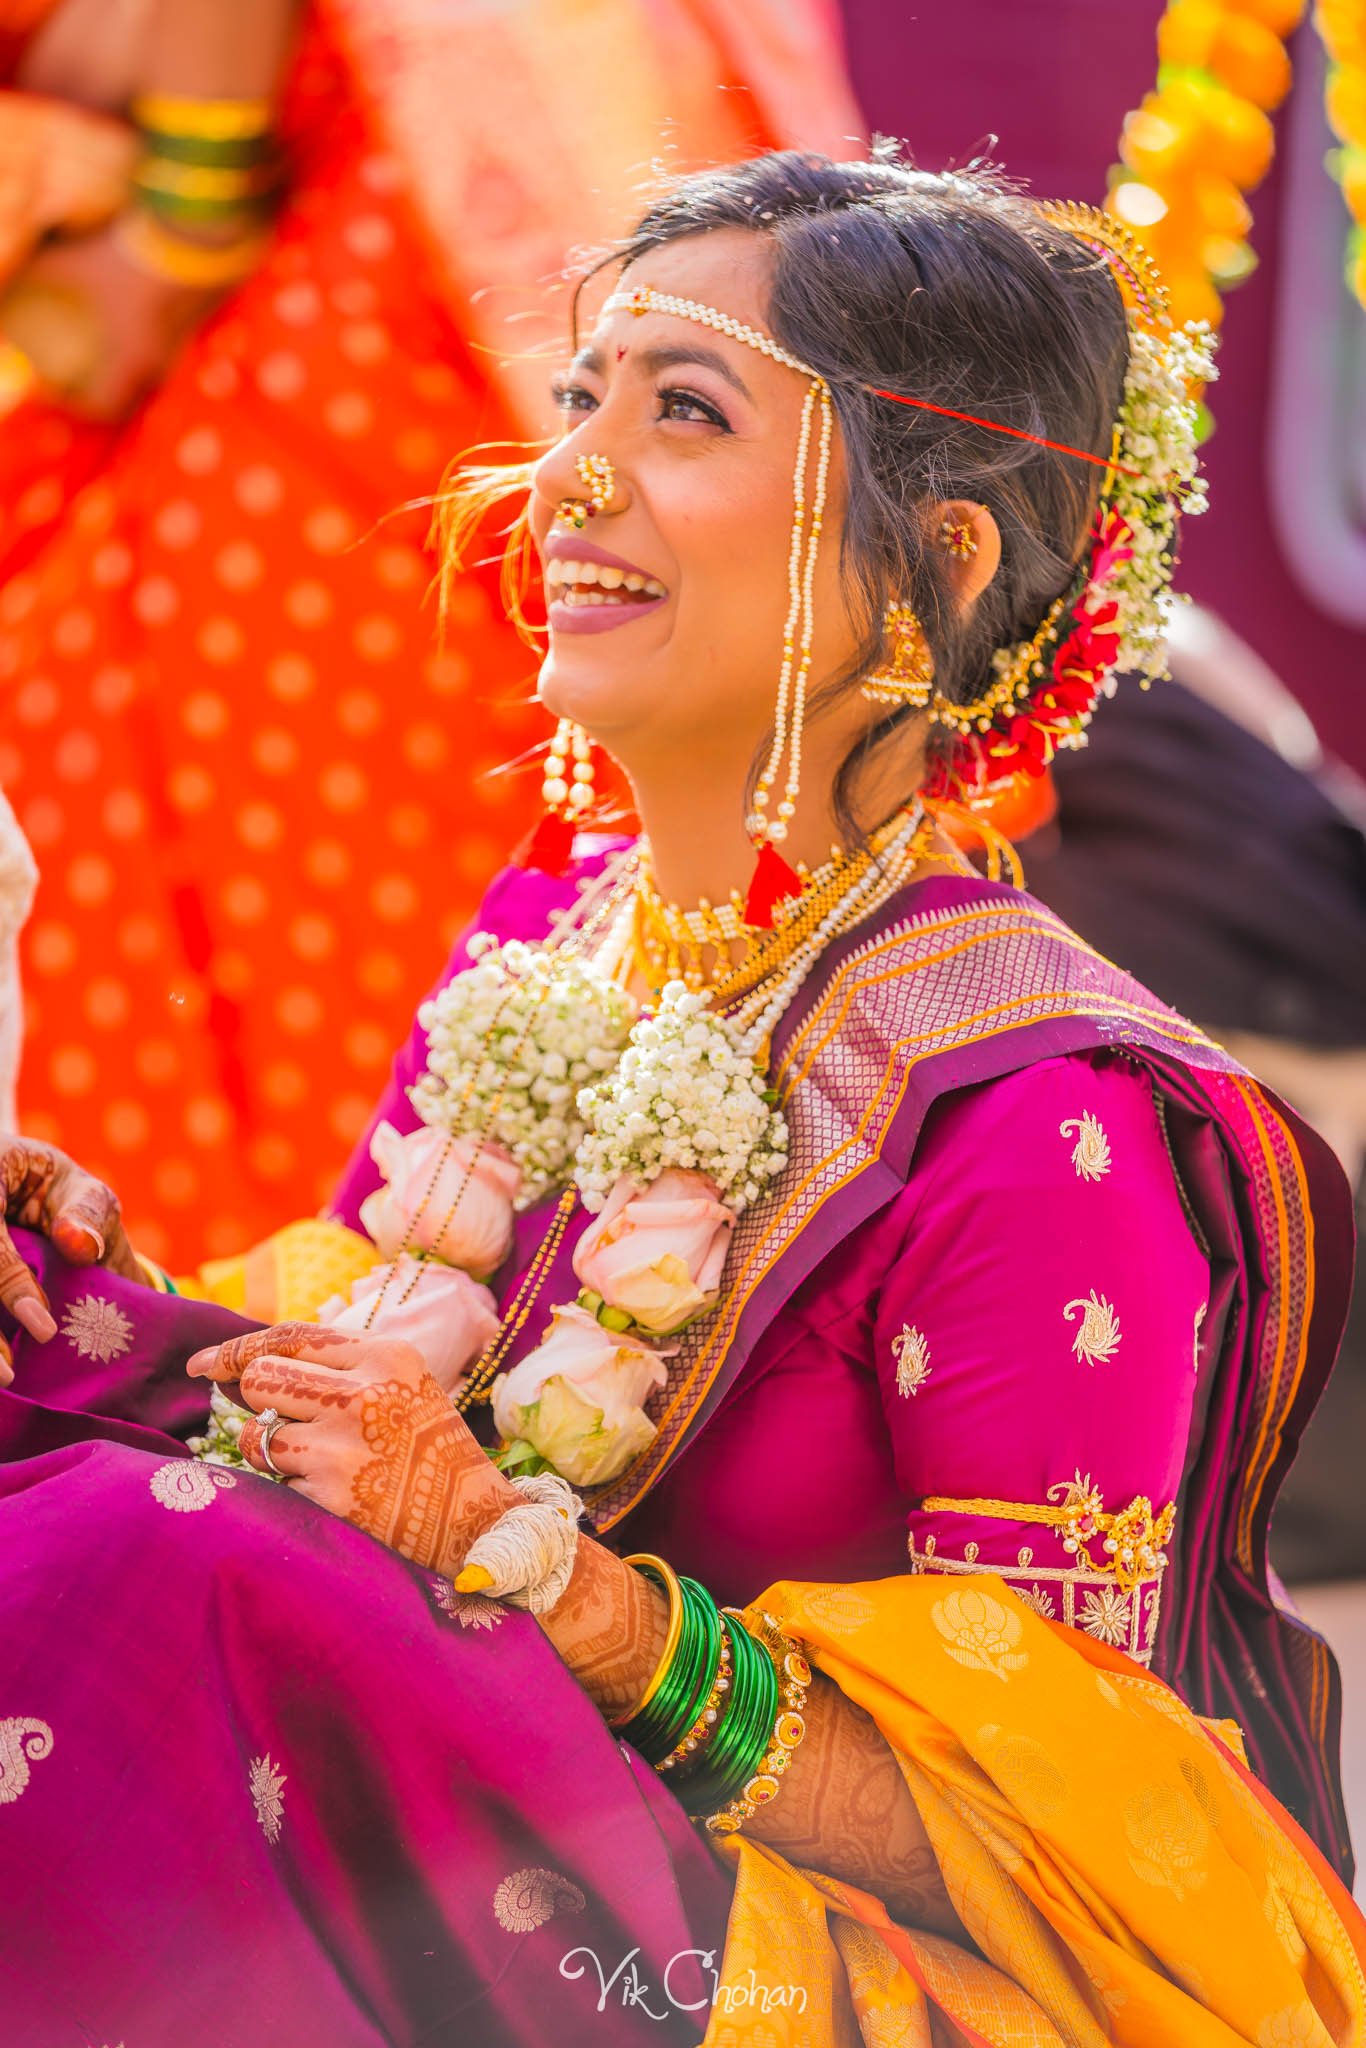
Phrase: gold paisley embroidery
(980, 1633)
(97, 1328)
(528, 1898)
(1169, 1837)
(22, 1744)
(1091, 1154)
(185, 1486)
(1199, 1321)
(1098, 1338)
(912, 1354)
(471, 1610)
(267, 1795)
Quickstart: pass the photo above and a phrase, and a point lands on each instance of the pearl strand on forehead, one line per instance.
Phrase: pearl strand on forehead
(643, 298)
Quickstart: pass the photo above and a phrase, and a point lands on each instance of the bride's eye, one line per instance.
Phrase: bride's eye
(571, 397)
(677, 404)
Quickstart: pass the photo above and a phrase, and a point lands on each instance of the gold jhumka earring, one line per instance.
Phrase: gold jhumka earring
(774, 880)
(908, 679)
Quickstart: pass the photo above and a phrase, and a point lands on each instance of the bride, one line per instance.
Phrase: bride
(898, 1326)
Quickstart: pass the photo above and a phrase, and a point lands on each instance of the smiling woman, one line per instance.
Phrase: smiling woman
(918, 1316)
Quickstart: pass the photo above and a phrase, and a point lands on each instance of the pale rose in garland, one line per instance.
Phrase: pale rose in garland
(656, 1253)
(479, 1183)
(448, 1316)
(578, 1398)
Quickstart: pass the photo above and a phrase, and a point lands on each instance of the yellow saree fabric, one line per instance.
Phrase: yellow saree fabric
(1119, 1874)
(286, 1278)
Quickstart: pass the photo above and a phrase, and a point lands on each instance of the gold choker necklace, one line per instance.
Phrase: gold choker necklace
(672, 944)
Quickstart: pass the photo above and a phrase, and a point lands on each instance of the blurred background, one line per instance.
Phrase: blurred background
(246, 801)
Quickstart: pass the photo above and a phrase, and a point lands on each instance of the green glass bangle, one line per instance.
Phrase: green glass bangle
(177, 211)
(744, 1729)
(227, 154)
(675, 1704)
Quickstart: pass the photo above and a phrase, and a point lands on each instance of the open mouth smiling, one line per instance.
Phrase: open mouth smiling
(588, 590)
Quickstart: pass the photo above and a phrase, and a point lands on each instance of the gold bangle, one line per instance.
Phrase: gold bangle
(794, 1676)
(206, 120)
(198, 264)
(670, 1577)
(162, 174)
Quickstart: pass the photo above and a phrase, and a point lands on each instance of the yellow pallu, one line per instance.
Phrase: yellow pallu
(1122, 1876)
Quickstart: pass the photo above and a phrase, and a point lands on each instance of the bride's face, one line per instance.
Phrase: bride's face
(673, 655)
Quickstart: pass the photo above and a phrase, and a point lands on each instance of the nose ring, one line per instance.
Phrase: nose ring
(599, 478)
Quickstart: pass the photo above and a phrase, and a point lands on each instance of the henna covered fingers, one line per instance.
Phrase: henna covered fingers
(337, 1349)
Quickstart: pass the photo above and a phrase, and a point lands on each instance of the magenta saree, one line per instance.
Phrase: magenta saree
(356, 1815)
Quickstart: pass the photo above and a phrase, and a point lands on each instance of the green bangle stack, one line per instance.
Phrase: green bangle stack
(208, 163)
(742, 1733)
(722, 1707)
(669, 1711)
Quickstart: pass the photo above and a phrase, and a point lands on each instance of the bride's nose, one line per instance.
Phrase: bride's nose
(580, 483)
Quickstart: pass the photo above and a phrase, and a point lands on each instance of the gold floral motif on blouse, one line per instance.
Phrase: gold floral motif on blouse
(1080, 1599)
(1133, 1540)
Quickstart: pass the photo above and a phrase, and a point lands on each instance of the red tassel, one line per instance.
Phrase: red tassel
(771, 881)
(550, 847)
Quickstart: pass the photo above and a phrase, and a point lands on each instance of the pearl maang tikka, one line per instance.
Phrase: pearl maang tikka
(767, 824)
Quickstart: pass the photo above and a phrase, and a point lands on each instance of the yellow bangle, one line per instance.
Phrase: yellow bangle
(198, 264)
(670, 1577)
(206, 120)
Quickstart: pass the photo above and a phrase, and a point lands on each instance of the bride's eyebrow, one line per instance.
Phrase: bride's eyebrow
(652, 360)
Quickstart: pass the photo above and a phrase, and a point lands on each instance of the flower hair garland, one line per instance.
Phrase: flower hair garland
(1115, 615)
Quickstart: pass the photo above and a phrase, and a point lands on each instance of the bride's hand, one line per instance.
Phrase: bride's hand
(369, 1435)
(41, 1189)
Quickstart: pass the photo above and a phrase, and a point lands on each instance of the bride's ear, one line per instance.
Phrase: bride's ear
(971, 541)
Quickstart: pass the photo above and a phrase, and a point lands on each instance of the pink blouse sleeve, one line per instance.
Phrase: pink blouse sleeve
(1036, 1342)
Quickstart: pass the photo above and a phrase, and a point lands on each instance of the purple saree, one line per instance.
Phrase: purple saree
(275, 1784)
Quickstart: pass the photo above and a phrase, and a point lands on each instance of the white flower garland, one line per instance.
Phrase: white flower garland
(1159, 422)
(511, 1042)
(686, 1093)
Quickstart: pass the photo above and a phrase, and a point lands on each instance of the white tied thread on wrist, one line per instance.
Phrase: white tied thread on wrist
(527, 1557)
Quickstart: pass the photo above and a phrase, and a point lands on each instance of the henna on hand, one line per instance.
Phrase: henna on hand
(846, 1809)
(415, 1493)
(609, 1625)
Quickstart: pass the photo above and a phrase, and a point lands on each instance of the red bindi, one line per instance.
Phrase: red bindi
(621, 352)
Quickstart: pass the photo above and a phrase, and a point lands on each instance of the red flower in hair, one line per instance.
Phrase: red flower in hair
(1112, 545)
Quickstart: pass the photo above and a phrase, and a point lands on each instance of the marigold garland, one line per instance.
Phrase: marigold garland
(1342, 26)
(1202, 140)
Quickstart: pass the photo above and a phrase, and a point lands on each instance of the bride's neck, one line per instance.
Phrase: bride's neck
(698, 844)
(693, 819)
